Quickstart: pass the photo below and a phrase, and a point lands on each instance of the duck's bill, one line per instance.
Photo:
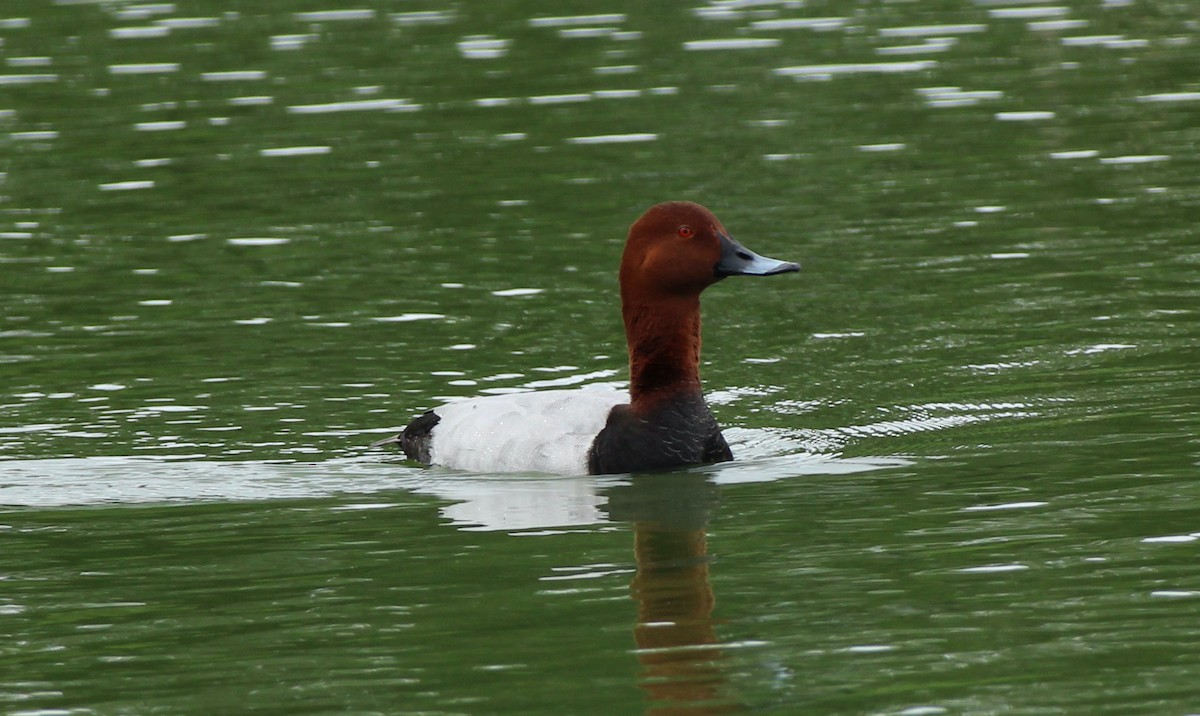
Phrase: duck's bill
(737, 260)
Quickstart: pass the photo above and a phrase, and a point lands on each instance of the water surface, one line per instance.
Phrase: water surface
(238, 245)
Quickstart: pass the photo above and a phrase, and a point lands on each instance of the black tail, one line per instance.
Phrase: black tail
(416, 438)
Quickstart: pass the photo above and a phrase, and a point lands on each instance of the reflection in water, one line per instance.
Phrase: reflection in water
(681, 656)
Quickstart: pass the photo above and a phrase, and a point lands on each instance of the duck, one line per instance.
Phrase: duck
(673, 252)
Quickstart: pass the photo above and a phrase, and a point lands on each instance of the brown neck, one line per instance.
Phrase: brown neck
(664, 349)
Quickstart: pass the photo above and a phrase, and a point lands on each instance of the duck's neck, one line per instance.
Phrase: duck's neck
(664, 349)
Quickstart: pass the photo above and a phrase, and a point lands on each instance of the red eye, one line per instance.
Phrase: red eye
(686, 231)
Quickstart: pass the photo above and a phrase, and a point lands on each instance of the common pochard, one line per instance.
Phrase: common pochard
(674, 251)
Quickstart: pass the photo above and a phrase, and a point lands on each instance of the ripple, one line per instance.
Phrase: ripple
(422, 17)
(566, 98)
(746, 43)
(482, 47)
(1027, 13)
(335, 15)
(1170, 97)
(1025, 116)
(144, 68)
(234, 76)
(295, 151)
(820, 24)
(614, 138)
(1099, 348)
(1004, 506)
(810, 71)
(1115, 42)
(933, 44)
(993, 569)
(886, 147)
(127, 185)
(956, 96)
(360, 105)
(935, 30)
(1076, 154)
(406, 317)
(614, 18)
(518, 291)
(1135, 159)
(292, 42)
(160, 126)
(27, 79)
(258, 241)
(1057, 25)
(34, 136)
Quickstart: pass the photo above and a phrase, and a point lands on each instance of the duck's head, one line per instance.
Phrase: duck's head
(679, 248)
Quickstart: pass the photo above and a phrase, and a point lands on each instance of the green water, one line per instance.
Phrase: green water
(239, 242)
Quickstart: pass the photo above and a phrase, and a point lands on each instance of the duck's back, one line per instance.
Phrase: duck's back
(547, 431)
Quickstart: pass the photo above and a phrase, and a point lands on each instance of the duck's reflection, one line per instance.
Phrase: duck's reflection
(681, 656)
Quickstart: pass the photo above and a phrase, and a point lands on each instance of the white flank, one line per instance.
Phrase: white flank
(548, 431)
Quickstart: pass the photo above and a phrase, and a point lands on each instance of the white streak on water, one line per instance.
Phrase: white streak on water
(1030, 116)
(127, 185)
(27, 79)
(482, 47)
(407, 317)
(1075, 154)
(1170, 97)
(258, 241)
(1004, 506)
(295, 151)
(29, 61)
(1112, 42)
(291, 42)
(144, 68)
(803, 71)
(614, 138)
(361, 105)
(560, 98)
(933, 44)
(234, 76)
(578, 32)
(1135, 159)
(251, 101)
(575, 20)
(616, 69)
(1028, 13)
(801, 23)
(1170, 539)
(928, 30)
(993, 569)
(1056, 25)
(617, 94)
(141, 11)
(135, 33)
(422, 17)
(518, 292)
(744, 43)
(34, 136)
(335, 15)
(188, 23)
(161, 126)
(888, 147)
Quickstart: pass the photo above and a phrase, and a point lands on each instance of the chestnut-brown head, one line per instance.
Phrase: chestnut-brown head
(679, 248)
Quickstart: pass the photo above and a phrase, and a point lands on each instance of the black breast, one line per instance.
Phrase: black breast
(680, 432)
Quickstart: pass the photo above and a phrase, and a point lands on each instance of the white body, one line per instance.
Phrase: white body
(547, 431)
